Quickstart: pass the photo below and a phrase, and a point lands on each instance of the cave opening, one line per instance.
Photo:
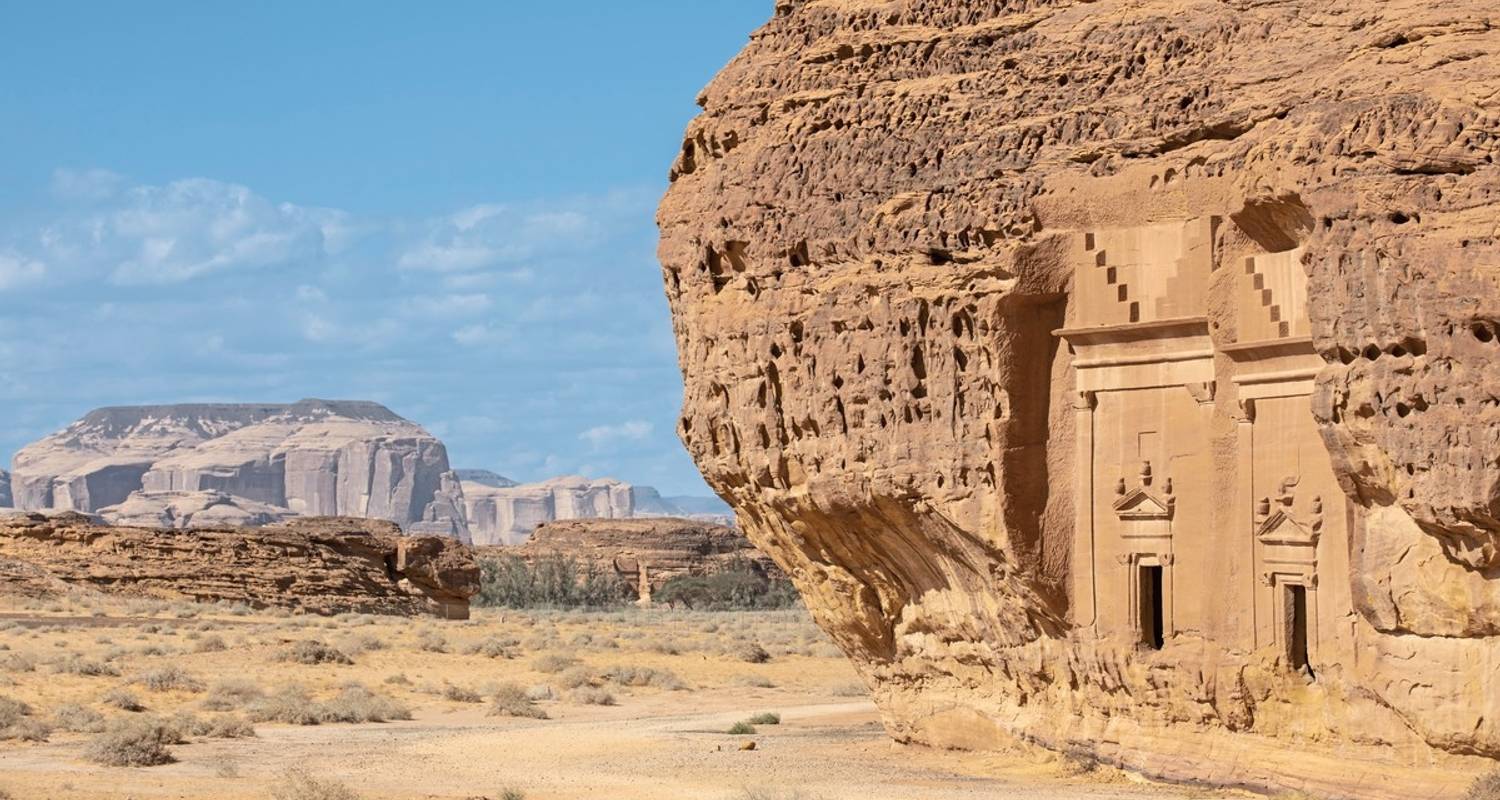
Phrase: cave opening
(1296, 630)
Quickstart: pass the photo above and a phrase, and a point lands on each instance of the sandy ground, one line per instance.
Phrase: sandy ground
(652, 743)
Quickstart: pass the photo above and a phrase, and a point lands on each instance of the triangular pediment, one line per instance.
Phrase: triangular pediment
(1142, 503)
(1280, 528)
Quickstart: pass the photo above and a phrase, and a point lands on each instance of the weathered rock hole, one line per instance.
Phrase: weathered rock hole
(1482, 332)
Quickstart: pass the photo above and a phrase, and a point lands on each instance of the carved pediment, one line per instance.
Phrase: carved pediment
(1281, 528)
(1143, 503)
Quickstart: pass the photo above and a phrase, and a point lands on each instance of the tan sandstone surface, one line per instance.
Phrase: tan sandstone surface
(1118, 375)
(315, 565)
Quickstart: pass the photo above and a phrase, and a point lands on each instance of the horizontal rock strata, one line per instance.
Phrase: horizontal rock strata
(315, 565)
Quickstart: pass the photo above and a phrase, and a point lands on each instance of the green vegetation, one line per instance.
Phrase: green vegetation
(739, 587)
(551, 582)
(741, 729)
(766, 718)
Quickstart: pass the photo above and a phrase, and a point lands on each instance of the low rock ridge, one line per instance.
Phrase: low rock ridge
(317, 565)
(643, 553)
(310, 458)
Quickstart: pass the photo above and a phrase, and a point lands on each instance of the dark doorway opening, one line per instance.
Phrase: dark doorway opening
(1296, 629)
(1152, 634)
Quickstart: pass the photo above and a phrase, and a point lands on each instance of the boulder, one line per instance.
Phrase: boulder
(1118, 375)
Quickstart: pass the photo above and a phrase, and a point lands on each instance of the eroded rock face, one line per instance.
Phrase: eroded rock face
(500, 511)
(318, 565)
(191, 510)
(885, 212)
(644, 553)
(6, 501)
(313, 458)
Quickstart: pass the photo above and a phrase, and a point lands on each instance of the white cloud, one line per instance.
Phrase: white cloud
(86, 184)
(18, 270)
(635, 430)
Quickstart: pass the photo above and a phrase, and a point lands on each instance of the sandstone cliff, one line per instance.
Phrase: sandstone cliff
(318, 565)
(502, 512)
(979, 302)
(644, 553)
(314, 458)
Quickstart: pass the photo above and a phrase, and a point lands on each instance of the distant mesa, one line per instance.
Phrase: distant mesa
(484, 477)
(197, 465)
(507, 515)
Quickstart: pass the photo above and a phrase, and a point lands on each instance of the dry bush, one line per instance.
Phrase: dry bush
(361, 643)
(75, 718)
(765, 718)
(230, 694)
(430, 641)
(461, 694)
(168, 679)
(299, 784)
(553, 663)
(510, 700)
(753, 681)
(290, 705)
(851, 689)
(493, 647)
(17, 724)
(589, 696)
(312, 651)
(399, 679)
(750, 652)
(210, 644)
(355, 703)
(1486, 787)
(224, 726)
(77, 665)
(132, 742)
(17, 662)
(626, 675)
(741, 729)
(123, 699)
(576, 677)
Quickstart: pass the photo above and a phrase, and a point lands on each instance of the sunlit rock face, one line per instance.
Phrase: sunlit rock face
(1118, 375)
(312, 458)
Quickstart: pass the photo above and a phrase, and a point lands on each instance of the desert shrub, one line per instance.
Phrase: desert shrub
(589, 696)
(355, 703)
(77, 665)
(510, 700)
(168, 679)
(740, 585)
(75, 718)
(229, 695)
(1485, 787)
(430, 641)
(299, 784)
(362, 643)
(667, 647)
(741, 729)
(553, 581)
(12, 710)
(18, 662)
(644, 676)
(17, 724)
(224, 726)
(290, 705)
(210, 644)
(850, 689)
(493, 647)
(399, 679)
(754, 681)
(461, 694)
(123, 699)
(765, 718)
(537, 693)
(312, 651)
(509, 793)
(553, 663)
(750, 652)
(576, 677)
(132, 742)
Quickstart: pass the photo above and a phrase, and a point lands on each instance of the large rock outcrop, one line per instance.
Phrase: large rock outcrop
(317, 565)
(313, 458)
(979, 302)
(502, 512)
(644, 553)
(6, 501)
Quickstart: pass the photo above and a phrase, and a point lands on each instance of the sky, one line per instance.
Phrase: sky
(443, 207)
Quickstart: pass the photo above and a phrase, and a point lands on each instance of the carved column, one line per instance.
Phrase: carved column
(1243, 512)
(1085, 601)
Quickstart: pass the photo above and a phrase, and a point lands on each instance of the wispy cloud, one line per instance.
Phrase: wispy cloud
(603, 435)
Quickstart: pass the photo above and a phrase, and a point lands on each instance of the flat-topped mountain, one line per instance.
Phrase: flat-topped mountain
(312, 457)
(507, 514)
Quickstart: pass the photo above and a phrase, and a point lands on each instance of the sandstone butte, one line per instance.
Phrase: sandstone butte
(643, 553)
(315, 565)
(1119, 375)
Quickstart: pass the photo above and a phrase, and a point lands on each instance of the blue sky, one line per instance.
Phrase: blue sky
(445, 207)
